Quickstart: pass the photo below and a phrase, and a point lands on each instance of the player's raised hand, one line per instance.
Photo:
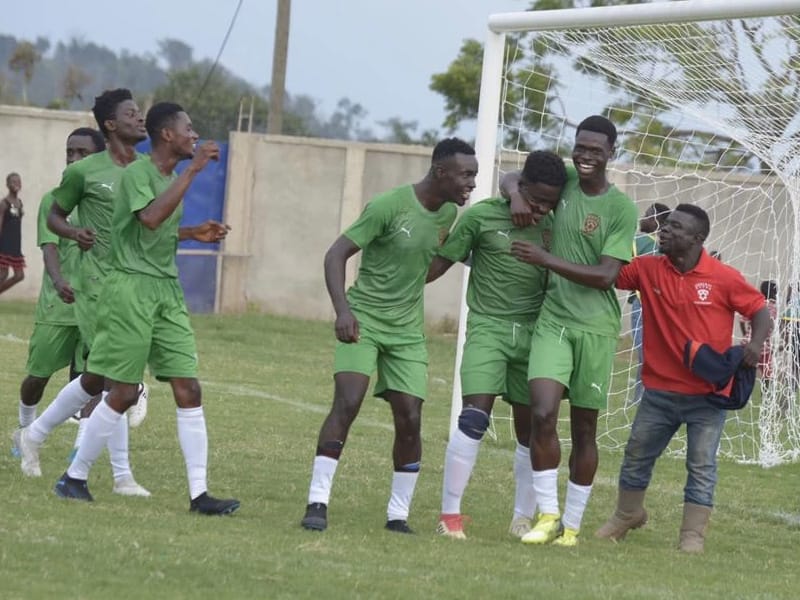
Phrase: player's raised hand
(210, 232)
(85, 237)
(346, 327)
(528, 252)
(208, 150)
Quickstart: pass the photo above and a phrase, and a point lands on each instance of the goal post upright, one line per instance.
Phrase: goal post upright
(500, 24)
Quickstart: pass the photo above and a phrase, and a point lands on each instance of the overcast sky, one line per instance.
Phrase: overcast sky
(380, 53)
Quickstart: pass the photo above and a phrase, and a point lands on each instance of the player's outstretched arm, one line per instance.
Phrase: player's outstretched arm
(53, 268)
(159, 210)
(439, 266)
(58, 224)
(600, 276)
(209, 232)
(335, 260)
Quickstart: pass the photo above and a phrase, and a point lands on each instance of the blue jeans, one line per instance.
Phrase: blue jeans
(658, 417)
(636, 334)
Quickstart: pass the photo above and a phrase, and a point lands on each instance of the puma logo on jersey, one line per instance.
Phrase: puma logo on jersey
(406, 230)
(505, 234)
(597, 387)
(108, 186)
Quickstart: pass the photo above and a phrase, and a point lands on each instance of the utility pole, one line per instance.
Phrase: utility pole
(279, 55)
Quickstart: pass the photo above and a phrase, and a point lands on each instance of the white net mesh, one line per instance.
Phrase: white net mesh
(708, 113)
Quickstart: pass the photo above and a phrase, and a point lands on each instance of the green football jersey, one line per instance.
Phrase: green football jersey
(135, 248)
(499, 285)
(398, 238)
(50, 308)
(91, 184)
(645, 243)
(586, 228)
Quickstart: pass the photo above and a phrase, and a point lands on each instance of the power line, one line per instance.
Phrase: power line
(219, 54)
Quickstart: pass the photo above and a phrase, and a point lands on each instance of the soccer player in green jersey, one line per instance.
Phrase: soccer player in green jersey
(575, 337)
(55, 340)
(379, 322)
(504, 296)
(143, 320)
(89, 185)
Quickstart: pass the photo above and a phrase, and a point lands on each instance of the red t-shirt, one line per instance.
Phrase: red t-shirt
(697, 305)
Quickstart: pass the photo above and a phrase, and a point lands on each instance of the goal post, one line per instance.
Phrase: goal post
(664, 153)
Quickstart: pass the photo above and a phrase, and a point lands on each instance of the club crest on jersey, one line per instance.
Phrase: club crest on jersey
(547, 239)
(703, 292)
(590, 223)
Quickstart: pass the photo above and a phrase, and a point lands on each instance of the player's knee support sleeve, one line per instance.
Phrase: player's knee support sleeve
(473, 423)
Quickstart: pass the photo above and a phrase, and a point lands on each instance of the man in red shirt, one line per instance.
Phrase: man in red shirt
(686, 295)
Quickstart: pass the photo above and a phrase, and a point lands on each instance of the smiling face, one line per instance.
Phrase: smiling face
(591, 154)
(128, 123)
(184, 137)
(679, 234)
(541, 197)
(456, 177)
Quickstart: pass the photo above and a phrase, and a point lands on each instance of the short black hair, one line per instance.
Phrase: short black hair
(160, 115)
(97, 137)
(701, 216)
(12, 174)
(545, 167)
(450, 147)
(105, 106)
(660, 212)
(769, 289)
(599, 124)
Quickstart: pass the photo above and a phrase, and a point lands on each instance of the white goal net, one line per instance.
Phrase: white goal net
(708, 113)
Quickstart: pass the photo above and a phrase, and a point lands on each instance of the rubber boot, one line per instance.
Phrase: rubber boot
(630, 514)
(693, 528)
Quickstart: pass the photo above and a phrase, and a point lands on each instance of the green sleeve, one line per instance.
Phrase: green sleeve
(372, 223)
(70, 191)
(463, 237)
(43, 234)
(619, 241)
(135, 189)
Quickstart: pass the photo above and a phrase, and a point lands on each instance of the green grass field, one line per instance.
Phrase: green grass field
(267, 385)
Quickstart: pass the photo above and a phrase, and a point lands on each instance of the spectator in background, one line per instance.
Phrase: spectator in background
(11, 214)
(769, 289)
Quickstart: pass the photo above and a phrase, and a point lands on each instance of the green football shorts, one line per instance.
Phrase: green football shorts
(495, 359)
(142, 321)
(53, 347)
(578, 360)
(400, 358)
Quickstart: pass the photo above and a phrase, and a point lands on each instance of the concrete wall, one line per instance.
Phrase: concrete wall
(34, 145)
(288, 198)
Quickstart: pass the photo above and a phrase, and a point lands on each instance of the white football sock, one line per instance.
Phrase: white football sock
(403, 484)
(27, 414)
(118, 450)
(545, 489)
(575, 504)
(322, 479)
(99, 427)
(460, 457)
(194, 443)
(69, 400)
(81, 432)
(524, 497)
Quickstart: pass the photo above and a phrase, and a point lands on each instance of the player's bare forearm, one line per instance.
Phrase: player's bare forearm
(335, 261)
(760, 327)
(600, 276)
(210, 232)
(58, 224)
(163, 205)
(439, 266)
(51, 263)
